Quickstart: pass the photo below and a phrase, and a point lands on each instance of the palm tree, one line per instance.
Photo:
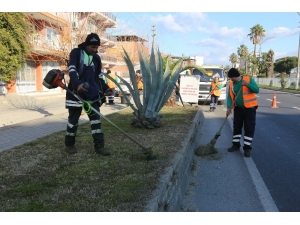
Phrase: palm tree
(257, 32)
(269, 63)
(233, 58)
(173, 65)
(242, 53)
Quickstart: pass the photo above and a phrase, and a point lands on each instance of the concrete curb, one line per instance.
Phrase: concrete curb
(174, 182)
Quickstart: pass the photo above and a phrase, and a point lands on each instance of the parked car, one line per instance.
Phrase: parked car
(118, 93)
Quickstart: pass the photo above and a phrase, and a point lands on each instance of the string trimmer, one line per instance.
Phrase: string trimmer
(209, 148)
(54, 78)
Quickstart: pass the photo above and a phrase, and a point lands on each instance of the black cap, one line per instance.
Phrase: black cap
(92, 39)
(233, 72)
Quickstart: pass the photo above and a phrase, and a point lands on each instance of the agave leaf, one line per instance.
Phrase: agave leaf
(154, 84)
(135, 94)
(152, 62)
(159, 86)
(146, 74)
(178, 94)
(170, 87)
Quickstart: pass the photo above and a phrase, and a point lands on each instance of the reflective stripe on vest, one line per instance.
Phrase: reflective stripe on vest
(109, 82)
(139, 83)
(248, 97)
(217, 91)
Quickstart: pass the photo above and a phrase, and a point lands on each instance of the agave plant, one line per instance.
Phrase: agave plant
(159, 84)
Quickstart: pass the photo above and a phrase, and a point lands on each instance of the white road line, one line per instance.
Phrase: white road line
(272, 100)
(296, 108)
(260, 186)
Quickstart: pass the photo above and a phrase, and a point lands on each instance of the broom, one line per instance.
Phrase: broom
(210, 147)
(207, 97)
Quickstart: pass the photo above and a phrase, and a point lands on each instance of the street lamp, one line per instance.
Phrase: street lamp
(261, 44)
(297, 79)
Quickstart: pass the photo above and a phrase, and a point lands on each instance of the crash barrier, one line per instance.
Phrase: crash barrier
(276, 82)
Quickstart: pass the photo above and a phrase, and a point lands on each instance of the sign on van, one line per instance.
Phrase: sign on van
(189, 88)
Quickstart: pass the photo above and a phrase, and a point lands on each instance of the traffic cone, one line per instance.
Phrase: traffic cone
(274, 102)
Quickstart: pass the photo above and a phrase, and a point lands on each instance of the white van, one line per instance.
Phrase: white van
(205, 82)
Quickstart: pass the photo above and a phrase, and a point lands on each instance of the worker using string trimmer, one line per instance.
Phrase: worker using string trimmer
(245, 105)
(86, 80)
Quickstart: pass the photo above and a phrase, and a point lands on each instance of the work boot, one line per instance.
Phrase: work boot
(102, 151)
(71, 149)
(234, 148)
(247, 153)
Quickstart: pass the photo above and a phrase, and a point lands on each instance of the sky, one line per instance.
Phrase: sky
(214, 35)
(214, 31)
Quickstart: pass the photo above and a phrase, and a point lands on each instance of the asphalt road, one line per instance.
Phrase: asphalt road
(276, 150)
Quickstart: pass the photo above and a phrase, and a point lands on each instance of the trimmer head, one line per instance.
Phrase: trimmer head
(53, 79)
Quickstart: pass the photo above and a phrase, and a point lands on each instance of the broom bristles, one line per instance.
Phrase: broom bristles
(207, 149)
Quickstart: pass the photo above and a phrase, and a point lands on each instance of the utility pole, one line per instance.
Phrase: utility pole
(153, 35)
(298, 66)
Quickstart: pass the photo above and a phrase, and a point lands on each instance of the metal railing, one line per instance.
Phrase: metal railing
(275, 82)
(43, 41)
(110, 15)
(108, 58)
(108, 36)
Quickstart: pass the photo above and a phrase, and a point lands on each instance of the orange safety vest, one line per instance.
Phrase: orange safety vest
(217, 91)
(140, 84)
(248, 97)
(109, 82)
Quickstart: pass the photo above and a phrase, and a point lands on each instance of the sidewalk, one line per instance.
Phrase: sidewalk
(29, 117)
(226, 181)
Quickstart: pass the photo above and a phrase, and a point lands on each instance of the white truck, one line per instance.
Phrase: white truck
(205, 82)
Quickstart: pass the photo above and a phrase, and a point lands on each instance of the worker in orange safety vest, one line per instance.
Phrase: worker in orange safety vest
(242, 92)
(215, 90)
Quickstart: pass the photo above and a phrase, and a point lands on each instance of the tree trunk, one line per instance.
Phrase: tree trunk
(172, 100)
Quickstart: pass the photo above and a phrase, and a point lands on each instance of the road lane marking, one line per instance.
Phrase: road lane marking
(296, 108)
(272, 100)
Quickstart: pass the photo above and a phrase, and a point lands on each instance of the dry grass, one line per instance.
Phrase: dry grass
(41, 176)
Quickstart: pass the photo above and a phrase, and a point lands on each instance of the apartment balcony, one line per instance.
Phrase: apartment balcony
(42, 45)
(107, 19)
(52, 18)
(108, 61)
(108, 40)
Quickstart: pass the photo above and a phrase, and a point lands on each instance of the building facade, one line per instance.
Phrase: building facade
(131, 44)
(56, 34)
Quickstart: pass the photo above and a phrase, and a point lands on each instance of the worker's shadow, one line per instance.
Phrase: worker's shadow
(30, 104)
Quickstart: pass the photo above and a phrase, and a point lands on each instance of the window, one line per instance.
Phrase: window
(52, 37)
(28, 72)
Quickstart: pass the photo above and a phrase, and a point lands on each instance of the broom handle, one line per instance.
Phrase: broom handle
(231, 108)
(210, 93)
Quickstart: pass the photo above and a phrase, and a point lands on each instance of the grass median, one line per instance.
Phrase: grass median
(40, 176)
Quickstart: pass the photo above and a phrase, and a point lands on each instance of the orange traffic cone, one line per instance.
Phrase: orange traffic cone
(274, 102)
